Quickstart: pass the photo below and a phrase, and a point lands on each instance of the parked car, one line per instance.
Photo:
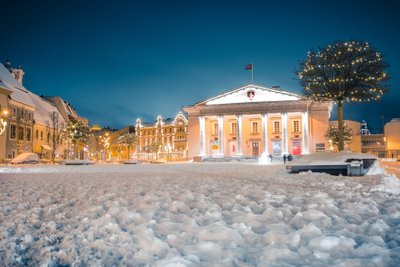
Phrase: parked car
(26, 158)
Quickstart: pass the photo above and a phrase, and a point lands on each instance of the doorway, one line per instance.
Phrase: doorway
(255, 151)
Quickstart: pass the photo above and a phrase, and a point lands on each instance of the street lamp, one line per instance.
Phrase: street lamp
(3, 119)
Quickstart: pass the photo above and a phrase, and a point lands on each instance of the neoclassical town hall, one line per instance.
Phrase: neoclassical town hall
(256, 121)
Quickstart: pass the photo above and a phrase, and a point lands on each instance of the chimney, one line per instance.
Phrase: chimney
(276, 87)
(18, 73)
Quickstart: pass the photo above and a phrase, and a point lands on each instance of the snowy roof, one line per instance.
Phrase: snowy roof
(19, 92)
(43, 110)
(251, 93)
(24, 96)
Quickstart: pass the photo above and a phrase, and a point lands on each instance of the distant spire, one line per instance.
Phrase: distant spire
(364, 129)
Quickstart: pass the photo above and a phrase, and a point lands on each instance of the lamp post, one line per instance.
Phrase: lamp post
(105, 143)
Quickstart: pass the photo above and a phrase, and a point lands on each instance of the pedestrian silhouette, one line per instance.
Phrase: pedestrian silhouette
(284, 159)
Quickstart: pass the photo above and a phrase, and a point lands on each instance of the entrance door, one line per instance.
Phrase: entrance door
(296, 147)
(276, 148)
(232, 148)
(255, 149)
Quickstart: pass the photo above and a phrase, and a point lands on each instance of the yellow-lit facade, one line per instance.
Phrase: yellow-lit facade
(258, 122)
(164, 139)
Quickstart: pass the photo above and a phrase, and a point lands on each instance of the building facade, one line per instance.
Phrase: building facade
(256, 121)
(382, 145)
(165, 139)
(392, 138)
(28, 120)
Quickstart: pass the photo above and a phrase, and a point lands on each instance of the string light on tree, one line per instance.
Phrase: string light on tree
(351, 71)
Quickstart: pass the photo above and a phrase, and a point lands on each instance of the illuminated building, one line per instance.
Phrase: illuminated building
(256, 121)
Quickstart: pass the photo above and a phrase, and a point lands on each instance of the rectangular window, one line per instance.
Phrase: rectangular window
(254, 127)
(215, 129)
(41, 135)
(21, 133)
(29, 116)
(13, 131)
(37, 134)
(14, 112)
(320, 147)
(296, 126)
(277, 128)
(233, 128)
(28, 134)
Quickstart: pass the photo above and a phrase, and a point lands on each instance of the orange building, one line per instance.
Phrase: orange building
(256, 121)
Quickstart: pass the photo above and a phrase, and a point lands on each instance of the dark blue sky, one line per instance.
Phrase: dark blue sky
(119, 60)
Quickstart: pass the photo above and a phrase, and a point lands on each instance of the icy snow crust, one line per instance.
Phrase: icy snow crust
(196, 215)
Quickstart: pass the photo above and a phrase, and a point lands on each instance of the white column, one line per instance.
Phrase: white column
(284, 134)
(264, 159)
(202, 124)
(305, 136)
(239, 150)
(220, 136)
(264, 120)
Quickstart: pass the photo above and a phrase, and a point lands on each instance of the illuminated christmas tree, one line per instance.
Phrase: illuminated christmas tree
(75, 132)
(128, 140)
(344, 72)
(333, 134)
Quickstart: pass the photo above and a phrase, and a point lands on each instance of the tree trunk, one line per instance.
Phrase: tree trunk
(74, 150)
(340, 126)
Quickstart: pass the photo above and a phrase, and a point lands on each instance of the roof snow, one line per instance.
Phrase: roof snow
(24, 96)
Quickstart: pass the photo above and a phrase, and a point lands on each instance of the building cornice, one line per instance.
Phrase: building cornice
(260, 107)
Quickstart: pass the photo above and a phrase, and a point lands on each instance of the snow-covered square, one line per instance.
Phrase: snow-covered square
(204, 214)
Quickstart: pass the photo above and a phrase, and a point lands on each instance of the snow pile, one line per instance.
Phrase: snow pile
(196, 214)
(390, 184)
(25, 158)
(376, 169)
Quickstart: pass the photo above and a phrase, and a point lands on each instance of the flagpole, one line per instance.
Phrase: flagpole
(252, 68)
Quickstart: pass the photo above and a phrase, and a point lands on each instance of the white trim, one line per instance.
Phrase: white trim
(239, 143)
(202, 124)
(220, 136)
(305, 149)
(285, 141)
(262, 94)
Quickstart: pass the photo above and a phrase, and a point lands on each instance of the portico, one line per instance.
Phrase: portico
(256, 121)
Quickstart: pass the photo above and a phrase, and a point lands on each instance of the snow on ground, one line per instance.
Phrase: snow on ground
(196, 215)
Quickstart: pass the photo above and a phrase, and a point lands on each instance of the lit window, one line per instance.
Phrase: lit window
(13, 131)
(28, 134)
(233, 128)
(277, 128)
(21, 133)
(296, 126)
(215, 129)
(254, 128)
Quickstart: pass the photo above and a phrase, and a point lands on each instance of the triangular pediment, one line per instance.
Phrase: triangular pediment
(251, 94)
